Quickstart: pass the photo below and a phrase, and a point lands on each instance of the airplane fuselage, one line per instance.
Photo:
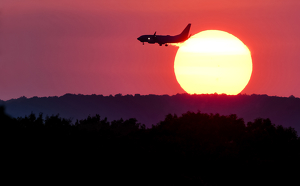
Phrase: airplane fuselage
(164, 39)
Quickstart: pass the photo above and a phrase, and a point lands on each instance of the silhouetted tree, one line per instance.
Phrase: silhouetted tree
(194, 148)
(93, 124)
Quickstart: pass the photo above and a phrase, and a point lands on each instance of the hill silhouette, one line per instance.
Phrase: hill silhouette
(150, 109)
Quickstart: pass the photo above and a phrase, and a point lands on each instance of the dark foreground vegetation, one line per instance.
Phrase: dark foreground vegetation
(192, 149)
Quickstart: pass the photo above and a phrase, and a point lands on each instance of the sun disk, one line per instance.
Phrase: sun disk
(213, 61)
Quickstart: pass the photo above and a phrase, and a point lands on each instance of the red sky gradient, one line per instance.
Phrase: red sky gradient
(91, 47)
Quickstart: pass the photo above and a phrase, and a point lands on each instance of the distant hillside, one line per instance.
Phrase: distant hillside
(151, 109)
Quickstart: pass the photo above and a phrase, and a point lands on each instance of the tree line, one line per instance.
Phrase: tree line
(191, 149)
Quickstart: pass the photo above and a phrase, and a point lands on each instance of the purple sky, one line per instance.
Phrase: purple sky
(49, 48)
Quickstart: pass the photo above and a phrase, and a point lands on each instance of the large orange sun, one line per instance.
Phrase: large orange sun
(213, 61)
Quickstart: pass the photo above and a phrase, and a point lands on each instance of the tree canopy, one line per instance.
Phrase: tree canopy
(194, 148)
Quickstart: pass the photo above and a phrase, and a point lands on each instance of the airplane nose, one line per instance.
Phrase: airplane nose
(139, 38)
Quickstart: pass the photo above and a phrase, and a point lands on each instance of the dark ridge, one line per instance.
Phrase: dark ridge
(150, 109)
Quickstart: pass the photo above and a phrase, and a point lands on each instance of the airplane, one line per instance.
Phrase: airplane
(161, 39)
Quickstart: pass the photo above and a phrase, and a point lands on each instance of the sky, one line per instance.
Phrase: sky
(50, 48)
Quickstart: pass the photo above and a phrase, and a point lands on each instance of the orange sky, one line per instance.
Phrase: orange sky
(90, 47)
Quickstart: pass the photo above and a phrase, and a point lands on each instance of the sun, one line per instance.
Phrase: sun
(213, 61)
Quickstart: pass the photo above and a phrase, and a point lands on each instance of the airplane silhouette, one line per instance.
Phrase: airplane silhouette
(160, 39)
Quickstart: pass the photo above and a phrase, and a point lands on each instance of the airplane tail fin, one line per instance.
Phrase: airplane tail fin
(185, 32)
